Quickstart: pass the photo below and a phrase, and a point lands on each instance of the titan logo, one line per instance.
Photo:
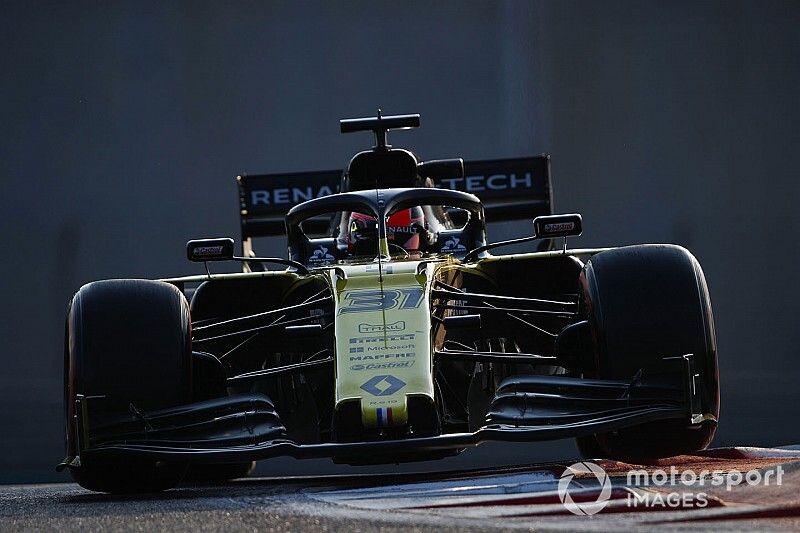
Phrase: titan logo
(383, 385)
(400, 325)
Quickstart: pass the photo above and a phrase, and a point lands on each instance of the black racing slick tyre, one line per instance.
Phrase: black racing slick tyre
(128, 343)
(645, 303)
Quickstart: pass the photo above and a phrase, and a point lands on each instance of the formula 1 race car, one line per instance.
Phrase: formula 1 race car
(391, 333)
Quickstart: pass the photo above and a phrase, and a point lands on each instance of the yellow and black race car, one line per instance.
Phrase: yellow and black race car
(391, 333)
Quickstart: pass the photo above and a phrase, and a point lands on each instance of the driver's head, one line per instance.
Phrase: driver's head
(402, 229)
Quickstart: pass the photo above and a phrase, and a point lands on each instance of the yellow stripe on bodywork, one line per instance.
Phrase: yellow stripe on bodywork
(383, 352)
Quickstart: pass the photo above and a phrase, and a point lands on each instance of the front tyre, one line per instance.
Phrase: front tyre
(644, 303)
(128, 342)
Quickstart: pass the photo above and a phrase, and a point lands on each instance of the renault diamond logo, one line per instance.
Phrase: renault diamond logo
(383, 385)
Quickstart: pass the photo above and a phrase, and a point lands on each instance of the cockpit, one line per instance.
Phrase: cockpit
(411, 223)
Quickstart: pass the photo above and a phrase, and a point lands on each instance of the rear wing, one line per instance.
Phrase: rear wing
(510, 189)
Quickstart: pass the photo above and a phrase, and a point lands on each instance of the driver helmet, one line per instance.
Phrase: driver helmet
(402, 229)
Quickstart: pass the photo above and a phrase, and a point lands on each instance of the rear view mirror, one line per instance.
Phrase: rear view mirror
(550, 226)
(200, 250)
(544, 227)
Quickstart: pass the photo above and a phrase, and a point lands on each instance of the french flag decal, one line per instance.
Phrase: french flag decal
(384, 415)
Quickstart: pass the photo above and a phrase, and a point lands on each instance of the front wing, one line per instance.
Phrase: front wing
(525, 409)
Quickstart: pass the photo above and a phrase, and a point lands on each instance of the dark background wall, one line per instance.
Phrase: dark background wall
(123, 124)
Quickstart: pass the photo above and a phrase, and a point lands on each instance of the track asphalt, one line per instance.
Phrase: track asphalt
(517, 497)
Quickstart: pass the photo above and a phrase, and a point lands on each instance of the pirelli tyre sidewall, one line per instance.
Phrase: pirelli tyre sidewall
(644, 303)
(127, 342)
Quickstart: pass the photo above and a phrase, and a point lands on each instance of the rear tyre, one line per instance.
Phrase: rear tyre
(644, 303)
(129, 342)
